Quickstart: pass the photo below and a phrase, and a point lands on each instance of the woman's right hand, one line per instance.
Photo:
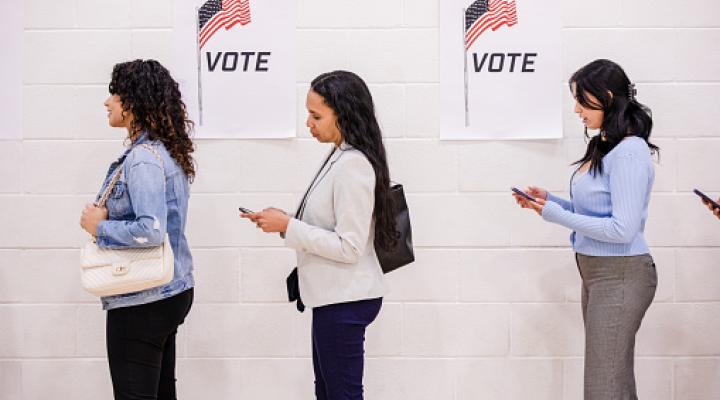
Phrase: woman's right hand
(537, 192)
(91, 217)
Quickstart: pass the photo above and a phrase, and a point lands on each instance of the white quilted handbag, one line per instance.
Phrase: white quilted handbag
(109, 272)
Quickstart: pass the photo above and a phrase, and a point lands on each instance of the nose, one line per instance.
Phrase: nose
(308, 123)
(106, 102)
(578, 107)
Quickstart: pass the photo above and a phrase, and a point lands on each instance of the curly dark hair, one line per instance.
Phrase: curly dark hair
(348, 95)
(147, 90)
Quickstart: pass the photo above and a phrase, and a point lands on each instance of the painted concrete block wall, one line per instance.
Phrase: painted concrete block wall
(490, 310)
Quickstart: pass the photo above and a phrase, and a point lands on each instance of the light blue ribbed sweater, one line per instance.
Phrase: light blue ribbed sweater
(607, 211)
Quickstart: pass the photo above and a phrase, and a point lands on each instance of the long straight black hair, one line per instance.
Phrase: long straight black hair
(623, 114)
(348, 95)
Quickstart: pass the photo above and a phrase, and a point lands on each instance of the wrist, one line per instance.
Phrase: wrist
(286, 223)
(99, 229)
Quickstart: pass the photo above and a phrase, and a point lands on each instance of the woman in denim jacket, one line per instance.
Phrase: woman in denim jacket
(149, 200)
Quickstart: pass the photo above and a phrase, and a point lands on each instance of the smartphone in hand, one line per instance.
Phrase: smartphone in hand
(245, 210)
(707, 199)
(523, 194)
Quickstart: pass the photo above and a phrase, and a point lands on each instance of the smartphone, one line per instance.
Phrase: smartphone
(245, 210)
(707, 199)
(523, 194)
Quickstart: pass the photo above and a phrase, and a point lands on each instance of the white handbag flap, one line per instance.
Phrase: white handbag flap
(92, 256)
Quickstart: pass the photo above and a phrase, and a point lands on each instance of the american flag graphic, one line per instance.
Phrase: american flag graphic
(485, 14)
(215, 14)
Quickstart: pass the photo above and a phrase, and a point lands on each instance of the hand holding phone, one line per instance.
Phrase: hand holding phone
(707, 199)
(523, 194)
(245, 210)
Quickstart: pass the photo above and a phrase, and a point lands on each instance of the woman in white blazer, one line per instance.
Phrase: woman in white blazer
(345, 208)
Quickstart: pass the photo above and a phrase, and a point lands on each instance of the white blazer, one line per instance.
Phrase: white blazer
(334, 241)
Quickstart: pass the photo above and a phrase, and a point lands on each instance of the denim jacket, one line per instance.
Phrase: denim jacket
(141, 209)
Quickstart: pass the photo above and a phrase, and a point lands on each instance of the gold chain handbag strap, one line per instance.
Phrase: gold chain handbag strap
(118, 174)
(110, 186)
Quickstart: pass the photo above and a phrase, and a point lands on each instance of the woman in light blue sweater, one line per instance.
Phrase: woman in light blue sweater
(607, 210)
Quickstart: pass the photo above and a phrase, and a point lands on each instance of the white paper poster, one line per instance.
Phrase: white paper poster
(11, 31)
(500, 69)
(245, 85)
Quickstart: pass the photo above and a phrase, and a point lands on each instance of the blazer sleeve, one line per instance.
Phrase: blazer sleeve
(353, 204)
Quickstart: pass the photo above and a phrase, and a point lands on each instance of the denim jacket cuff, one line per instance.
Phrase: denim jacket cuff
(101, 233)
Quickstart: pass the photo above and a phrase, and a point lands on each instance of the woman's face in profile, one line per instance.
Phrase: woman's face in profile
(117, 117)
(593, 119)
(322, 120)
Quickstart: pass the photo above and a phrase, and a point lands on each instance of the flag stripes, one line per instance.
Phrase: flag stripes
(216, 14)
(483, 15)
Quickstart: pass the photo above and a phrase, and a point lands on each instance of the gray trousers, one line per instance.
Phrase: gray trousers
(616, 292)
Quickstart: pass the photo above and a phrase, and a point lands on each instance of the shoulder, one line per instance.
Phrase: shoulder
(633, 147)
(147, 153)
(632, 154)
(354, 161)
(354, 169)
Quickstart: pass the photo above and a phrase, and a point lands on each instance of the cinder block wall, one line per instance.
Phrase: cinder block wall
(490, 309)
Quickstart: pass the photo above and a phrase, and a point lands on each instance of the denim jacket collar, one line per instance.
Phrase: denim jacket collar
(142, 138)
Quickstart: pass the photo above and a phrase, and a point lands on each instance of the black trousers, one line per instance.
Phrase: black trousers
(141, 347)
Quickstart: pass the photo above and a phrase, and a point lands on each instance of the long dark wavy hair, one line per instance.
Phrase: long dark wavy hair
(147, 90)
(623, 114)
(348, 95)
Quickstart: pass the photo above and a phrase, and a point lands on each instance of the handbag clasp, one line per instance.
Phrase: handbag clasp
(120, 269)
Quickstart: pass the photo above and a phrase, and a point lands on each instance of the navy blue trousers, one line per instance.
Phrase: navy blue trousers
(338, 339)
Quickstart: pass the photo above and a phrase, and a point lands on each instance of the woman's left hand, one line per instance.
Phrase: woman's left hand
(270, 220)
(536, 205)
(710, 207)
(91, 217)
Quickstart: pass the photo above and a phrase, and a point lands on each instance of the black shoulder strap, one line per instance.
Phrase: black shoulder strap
(301, 206)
